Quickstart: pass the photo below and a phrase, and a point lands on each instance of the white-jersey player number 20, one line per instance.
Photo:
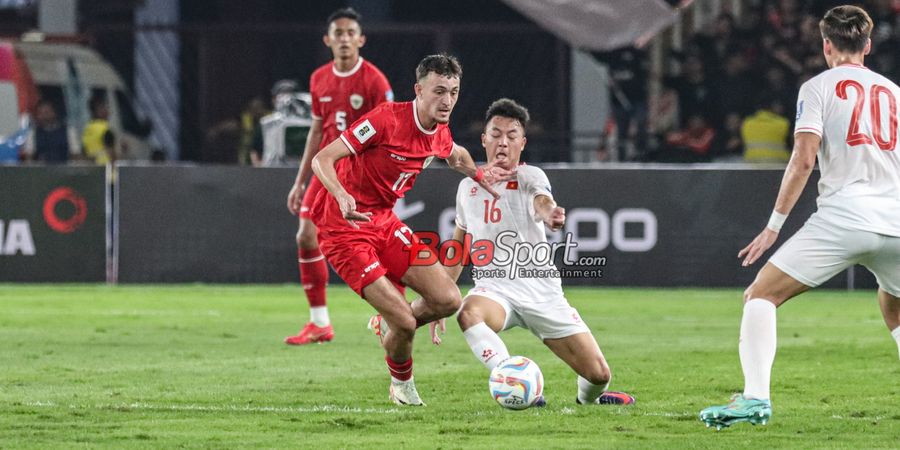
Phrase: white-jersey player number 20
(877, 94)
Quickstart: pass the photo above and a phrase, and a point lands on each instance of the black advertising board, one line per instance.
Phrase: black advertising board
(652, 226)
(52, 224)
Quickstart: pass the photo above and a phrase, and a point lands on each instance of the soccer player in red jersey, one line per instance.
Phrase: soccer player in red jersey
(365, 171)
(342, 91)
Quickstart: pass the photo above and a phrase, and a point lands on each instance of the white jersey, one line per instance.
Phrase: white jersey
(854, 110)
(506, 221)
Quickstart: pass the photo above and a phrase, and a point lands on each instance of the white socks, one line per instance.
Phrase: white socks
(588, 392)
(757, 347)
(486, 345)
(896, 335)
(319, 316)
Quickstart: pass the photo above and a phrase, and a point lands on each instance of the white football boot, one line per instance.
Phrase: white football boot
(404, 393)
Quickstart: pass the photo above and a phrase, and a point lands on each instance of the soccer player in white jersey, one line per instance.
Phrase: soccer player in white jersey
(497, 303)
(848, 114)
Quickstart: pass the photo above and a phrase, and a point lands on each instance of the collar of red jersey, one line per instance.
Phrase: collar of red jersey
(419, 124)
(349, 72)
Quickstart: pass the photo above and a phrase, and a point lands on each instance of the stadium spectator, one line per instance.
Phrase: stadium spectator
(97, 140)
(250, 129)
(765, 133)
(628, 68)
(692, 144)
(50, 140)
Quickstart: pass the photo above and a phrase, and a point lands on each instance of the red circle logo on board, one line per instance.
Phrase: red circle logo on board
(68, 224)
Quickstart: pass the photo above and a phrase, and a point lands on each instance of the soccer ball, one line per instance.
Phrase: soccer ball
(516, 383)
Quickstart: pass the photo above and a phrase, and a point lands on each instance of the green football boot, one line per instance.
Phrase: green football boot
(740, 409)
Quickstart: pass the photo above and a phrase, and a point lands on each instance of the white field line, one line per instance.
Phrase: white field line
(118, 312)
(214, 408)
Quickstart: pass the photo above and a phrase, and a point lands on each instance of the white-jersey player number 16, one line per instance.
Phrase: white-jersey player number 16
(877, 94)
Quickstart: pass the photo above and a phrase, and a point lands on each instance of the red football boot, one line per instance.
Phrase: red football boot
(311, 334)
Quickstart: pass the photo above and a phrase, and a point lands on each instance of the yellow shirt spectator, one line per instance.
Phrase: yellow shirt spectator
(92, 141)
(765, 137)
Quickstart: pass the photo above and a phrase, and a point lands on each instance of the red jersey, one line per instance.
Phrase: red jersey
(390, 147)
(341, 98)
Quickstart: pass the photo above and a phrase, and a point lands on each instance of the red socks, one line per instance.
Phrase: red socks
(313, 275)
(400, 371)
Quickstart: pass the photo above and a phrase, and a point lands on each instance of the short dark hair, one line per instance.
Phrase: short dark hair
(97, 100)
(344, 13)
(505, 107)
(847, 27)
(442, 64)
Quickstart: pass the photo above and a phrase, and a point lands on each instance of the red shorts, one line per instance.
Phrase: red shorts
(312, 189)
(362, 256)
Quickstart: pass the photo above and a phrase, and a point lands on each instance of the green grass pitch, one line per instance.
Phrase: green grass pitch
(204, 366)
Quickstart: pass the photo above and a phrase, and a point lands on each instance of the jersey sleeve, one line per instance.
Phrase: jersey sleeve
(460, 200)
(316, 106)
(534, 182)
(382, 91)
(809, 109)
(444, 143)
(368, 131)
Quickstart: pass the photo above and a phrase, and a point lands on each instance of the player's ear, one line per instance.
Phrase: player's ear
(362, 40)
(418, 89)
(868, 47)
(326, 40)
(483, 144)
(524, 141)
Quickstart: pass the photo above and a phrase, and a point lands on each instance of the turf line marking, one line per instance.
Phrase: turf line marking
(216, 408)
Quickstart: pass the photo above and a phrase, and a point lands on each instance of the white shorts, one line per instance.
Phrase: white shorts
(552, 319)
(821, 250)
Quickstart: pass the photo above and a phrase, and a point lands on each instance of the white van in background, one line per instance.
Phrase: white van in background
(69, 75)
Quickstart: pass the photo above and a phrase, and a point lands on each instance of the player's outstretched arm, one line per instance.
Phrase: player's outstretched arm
(795, 177)
(551, 213)
(461, 161)
(313, 140)
(323, 166)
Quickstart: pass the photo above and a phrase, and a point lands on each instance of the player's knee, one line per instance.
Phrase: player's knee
(469, 317)
(405, 326)
(447, 302)
(306, 238)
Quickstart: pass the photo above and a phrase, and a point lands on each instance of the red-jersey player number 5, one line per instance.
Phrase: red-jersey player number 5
(876, 93)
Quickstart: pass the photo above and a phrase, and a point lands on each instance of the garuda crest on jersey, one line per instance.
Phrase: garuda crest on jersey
(356, 101)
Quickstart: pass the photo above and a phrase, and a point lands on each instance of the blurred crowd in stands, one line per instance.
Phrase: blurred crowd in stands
(735, 84)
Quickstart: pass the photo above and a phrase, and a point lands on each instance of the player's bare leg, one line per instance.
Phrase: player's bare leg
(440, 295)
(314, 277)
(398, 342)
(890, 309)
(481, 319)
(581, 352)
(771, 288)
